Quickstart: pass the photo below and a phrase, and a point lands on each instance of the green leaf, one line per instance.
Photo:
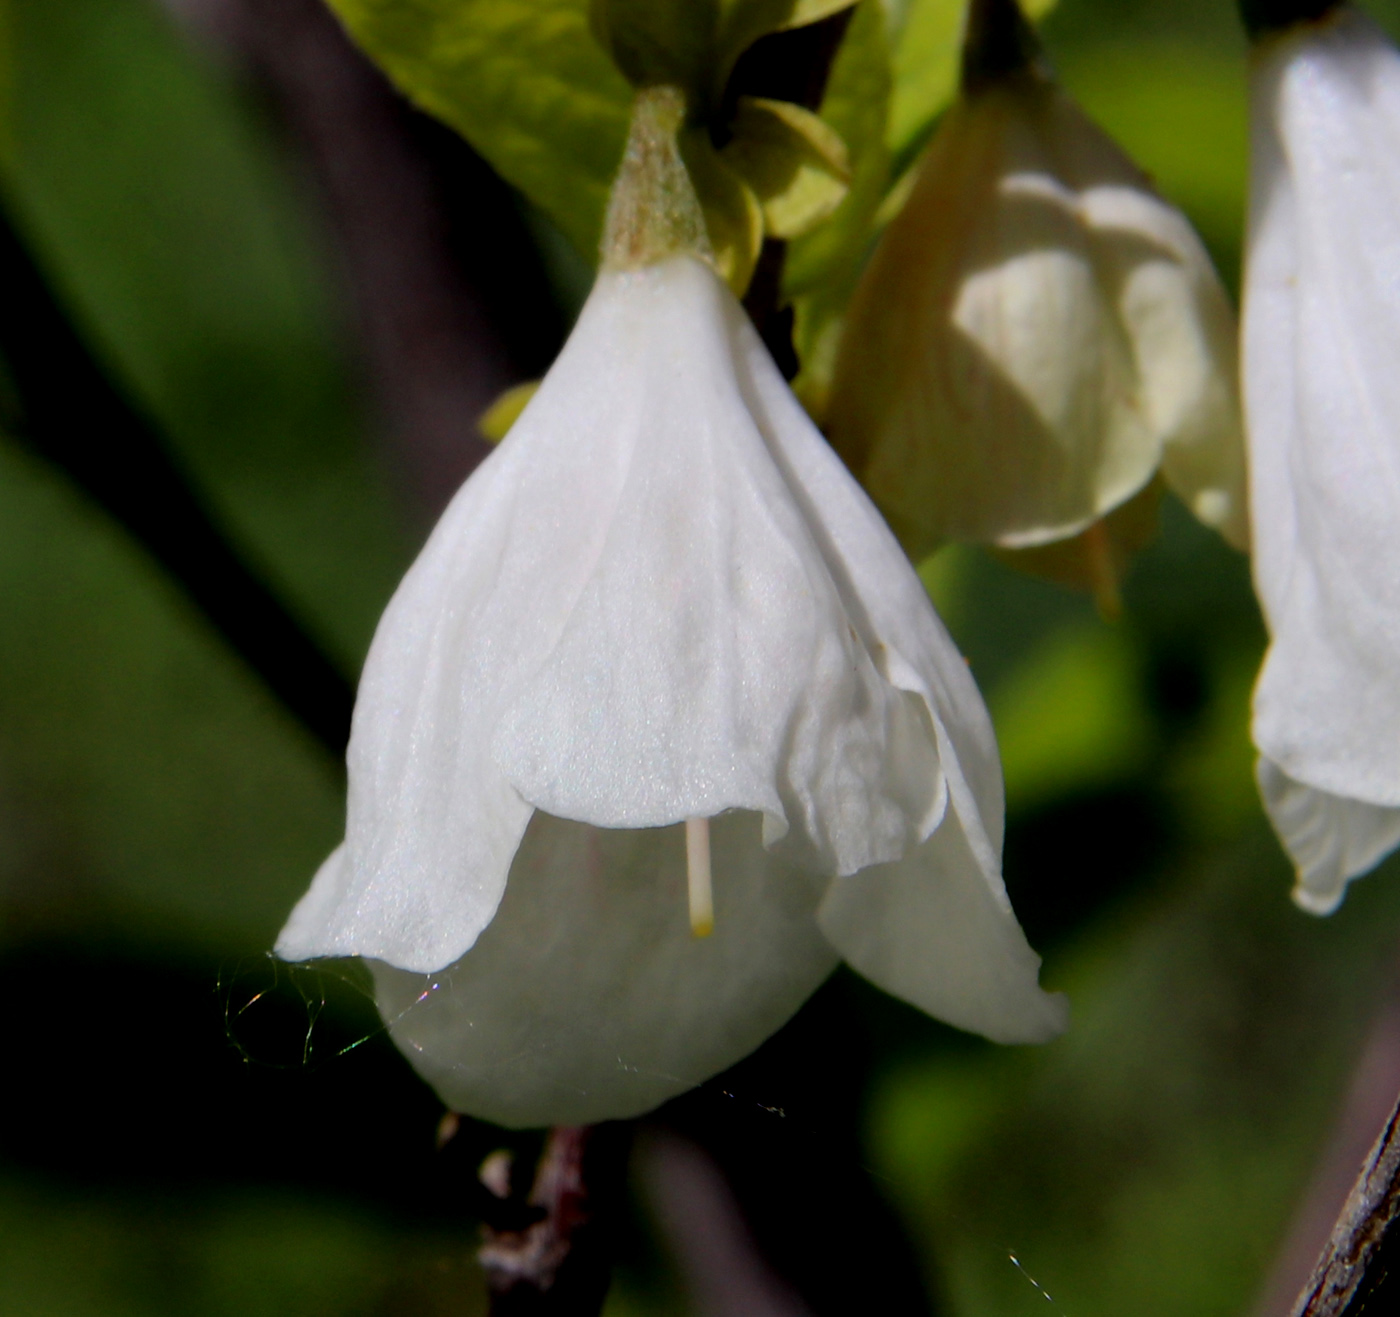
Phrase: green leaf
(181, 804)
(657, 43)
(529, 85)
(822, 267)
(694, 44)
(813, 11)
(524, 81)
(7, 74)
(795, 163)
(733, 215)
(494, 423)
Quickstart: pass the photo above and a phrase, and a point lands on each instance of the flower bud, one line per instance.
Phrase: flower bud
(1037, 332)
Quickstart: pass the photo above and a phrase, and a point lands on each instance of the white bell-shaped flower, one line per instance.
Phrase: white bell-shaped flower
(661, 669)
(1322, 403)
(1038, 331)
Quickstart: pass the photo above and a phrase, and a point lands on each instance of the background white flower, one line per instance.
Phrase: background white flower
(1037, 333)
(1322, 394)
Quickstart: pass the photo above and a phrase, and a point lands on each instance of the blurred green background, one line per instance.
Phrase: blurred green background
(159, 813)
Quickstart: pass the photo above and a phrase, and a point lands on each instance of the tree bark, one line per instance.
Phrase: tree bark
(1355, 1271)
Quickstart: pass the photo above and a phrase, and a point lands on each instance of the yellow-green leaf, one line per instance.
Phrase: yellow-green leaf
(813, 11)
(494, 423)
(822, 267)
(524, 81)
(657, 42)
(796, 164)
(733, 215)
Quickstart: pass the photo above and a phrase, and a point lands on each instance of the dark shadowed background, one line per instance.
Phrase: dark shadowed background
(314, 291)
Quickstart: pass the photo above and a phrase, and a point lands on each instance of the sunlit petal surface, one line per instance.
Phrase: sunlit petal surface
(662, 599)
(1321, 331)
(1036, 334)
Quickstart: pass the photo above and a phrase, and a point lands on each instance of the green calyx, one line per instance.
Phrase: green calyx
(653, 211)
(529, 84)
(780, 173)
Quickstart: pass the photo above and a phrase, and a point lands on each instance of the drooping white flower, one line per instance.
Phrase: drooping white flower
(1038, 331)
(661, 665)
(1322, 403)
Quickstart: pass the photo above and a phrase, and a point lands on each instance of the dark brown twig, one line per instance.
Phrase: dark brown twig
(72, 413)
(561, 1262)
(1262, 16)
(1358, 1258)
(452, 303)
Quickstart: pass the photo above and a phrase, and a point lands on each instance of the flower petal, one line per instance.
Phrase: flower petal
(303, 935)
(1035, 333)
(935, 927)
(1185, 351)
(1322, 318)
(928, 929)
(888, 606)
(588, 998)
(431, 823)
(1331, 839)
(709, 660)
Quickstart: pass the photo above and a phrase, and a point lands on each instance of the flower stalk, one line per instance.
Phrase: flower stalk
(998, 42)
(653, 212)
(1262, 16)
(560, 1263)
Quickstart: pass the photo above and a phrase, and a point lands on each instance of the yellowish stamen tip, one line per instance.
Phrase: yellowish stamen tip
(697, 870)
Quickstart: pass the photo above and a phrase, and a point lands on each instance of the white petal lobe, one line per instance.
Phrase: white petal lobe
(1330, 839)
(928, 929)
(887, 604)
(589, 998)
(709, 661)
(1321, 327)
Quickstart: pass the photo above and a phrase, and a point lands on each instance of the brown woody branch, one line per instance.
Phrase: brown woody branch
(562, 1260)
(1355, 1268)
